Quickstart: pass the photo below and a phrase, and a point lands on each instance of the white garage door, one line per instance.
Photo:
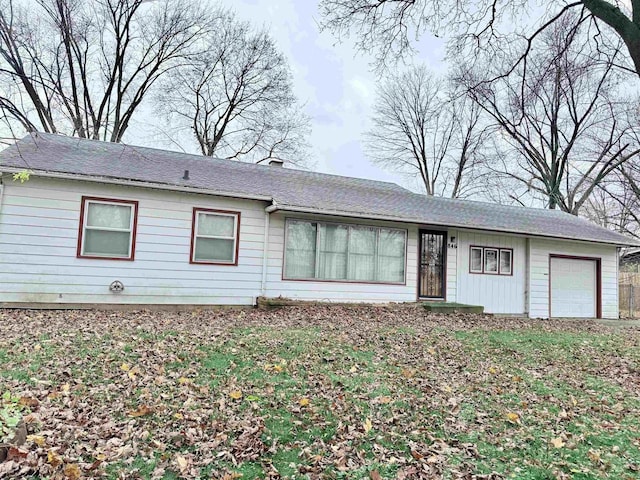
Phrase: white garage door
(573, 288)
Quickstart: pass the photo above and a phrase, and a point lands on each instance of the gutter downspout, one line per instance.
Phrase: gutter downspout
(265, 247)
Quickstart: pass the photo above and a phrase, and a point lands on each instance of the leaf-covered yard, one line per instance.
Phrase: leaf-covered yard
(318, 392)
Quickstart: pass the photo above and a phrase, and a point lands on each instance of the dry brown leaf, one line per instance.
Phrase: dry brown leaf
(375, 475)
(558, 442)
(54, 459)
(72, 471)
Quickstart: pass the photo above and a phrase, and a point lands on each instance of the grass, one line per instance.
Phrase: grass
(324, 392)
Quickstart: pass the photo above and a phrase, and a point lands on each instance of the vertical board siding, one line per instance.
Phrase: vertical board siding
(541, 249)
(452, 266)
(338, 291)
(503, 294)
(39, 234)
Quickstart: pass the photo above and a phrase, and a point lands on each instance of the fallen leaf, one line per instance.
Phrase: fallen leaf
(367, 425)
(141, 411)
(557, 442)
(53, 458)
(72, 471)
(235, 394)
(375, 475)
(37, 439)
(304, 402)
(513, 417)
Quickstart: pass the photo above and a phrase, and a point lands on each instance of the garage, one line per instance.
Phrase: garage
(574, 287)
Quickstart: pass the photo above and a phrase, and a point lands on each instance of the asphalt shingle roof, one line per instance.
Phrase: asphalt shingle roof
(290, 189)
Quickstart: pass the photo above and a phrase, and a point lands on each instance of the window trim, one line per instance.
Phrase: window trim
(484, 263)
(484, 271)
(471, 270)
(236, 250)
(284, 278)
(84, 211)
(510, 262)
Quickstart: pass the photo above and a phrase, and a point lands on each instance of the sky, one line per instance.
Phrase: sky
(332, 81)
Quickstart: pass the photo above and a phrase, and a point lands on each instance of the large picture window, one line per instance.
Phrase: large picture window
(339, 252)
(214, 237)
(107, 228)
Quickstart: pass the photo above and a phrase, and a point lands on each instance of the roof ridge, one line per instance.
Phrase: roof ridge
(205, 159)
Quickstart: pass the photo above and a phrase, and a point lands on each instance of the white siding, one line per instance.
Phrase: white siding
(338, 291)
(38, 239)
(541, 249)
(504, 294)
(452, 266)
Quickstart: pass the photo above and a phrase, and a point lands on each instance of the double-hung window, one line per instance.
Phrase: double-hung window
(107, 228)
(341, 252)
(214, 237)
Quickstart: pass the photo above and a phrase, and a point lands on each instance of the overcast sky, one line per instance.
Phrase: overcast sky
(332, 80)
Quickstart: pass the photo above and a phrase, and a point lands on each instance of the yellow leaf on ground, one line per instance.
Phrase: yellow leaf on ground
(66, 388)
(493, 370)
(53, 458)
(367, 425)
(304, 402)
(72, 471)
(513, 417)
(183, 380)
(557, 442)
(235, 394)
(141, 411)
(278, 368)
(594, 455)
(37, 439)
(182, 462)
(125, 367)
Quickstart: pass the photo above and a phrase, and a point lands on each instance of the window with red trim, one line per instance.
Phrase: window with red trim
(491, 260)
(214, 237)
(107, 228)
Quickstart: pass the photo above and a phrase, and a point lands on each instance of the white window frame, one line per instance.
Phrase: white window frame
(348, 226)
(481, 250)
(132, 204)
(484, 260)
(195, 235)
(510, 252)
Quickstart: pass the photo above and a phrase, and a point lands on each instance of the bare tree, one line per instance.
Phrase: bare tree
(388, 27)
(83, 67)
(564, 126)
(237, 97)
(423, 129)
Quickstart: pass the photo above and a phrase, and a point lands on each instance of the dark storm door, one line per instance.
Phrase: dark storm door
(431, 283)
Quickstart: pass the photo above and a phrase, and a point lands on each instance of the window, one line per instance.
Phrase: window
(214, 237)
(505, 262)
(490, 260)
(338, 252)
(107, 228)
(476, 260)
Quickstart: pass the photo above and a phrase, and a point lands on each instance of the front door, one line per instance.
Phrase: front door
(432, 264)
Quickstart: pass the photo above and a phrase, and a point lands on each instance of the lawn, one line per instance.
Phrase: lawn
(319, 392)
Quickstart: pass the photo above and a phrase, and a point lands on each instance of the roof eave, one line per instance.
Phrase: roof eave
(340, 213)
(135, 183)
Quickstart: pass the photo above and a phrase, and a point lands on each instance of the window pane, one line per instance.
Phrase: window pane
(332, 252)
(490, 260)
(300, 250)
(505, 262)
(362, 254)
(105, 243)
(110, 216)
(216, 225)
(476, 259)
(391, 251)
(214, 250)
